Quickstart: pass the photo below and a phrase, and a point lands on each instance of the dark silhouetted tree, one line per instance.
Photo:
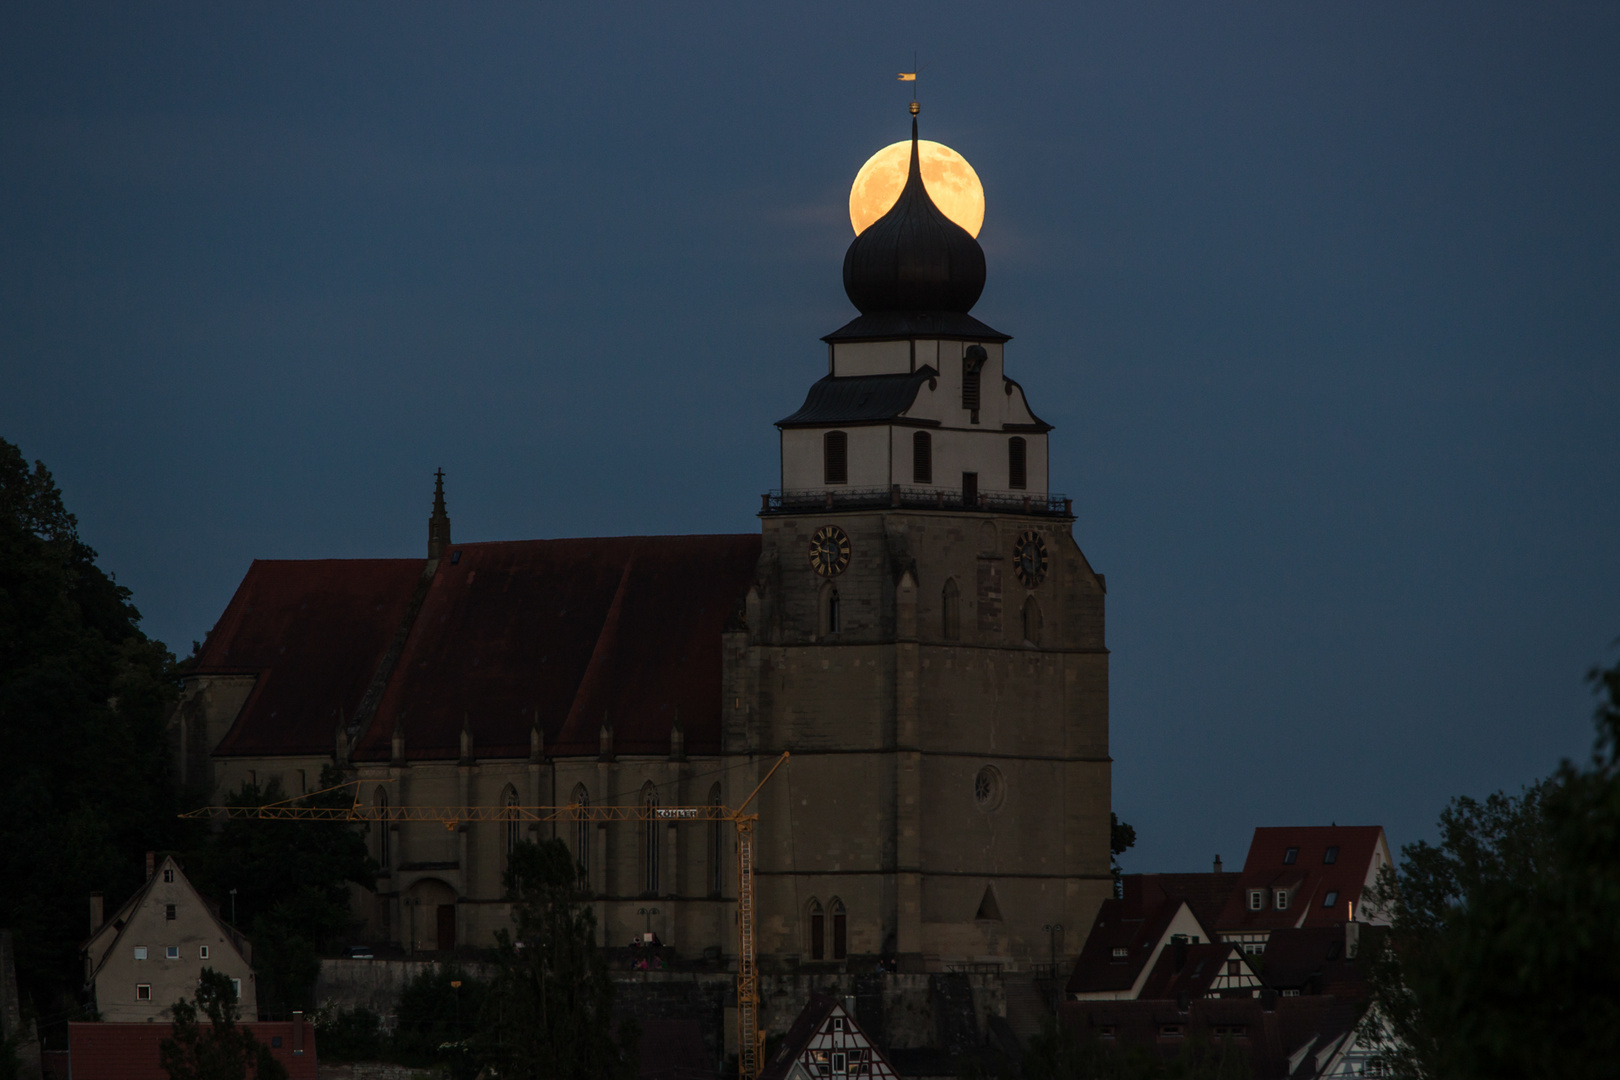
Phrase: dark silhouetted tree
(221, 1051)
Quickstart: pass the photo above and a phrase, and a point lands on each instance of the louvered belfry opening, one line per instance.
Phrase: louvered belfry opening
(970, 385)
(1017, 468)
(922, 458)
(835, 458)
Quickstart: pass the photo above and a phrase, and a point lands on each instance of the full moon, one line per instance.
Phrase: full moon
(949, 179)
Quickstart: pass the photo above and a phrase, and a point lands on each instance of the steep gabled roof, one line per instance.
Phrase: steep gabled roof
(101, 943)
(824, 1028)
(1189, 970)
(621, 630)
(312, 633)
(1140, 924)
(1311, 880)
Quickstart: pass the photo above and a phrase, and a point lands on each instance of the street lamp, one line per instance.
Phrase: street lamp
(649, 912)
(455, 984)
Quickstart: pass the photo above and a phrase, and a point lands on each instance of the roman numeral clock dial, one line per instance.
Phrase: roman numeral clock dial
(829, 551)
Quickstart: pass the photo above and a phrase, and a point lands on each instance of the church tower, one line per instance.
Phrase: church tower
(926, 637)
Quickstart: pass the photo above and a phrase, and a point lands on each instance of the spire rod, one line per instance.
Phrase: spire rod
(439, 522)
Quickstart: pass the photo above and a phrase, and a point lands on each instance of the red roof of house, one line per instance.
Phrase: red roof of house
(1310, 879)
(1187, 970)
(1135, 923)
(103, 1051)
(623, 630)
(313, 632)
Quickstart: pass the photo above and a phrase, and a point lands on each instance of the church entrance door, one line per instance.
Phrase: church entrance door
(447, 926)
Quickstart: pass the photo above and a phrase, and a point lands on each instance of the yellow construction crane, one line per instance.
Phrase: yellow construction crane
(750, 1039)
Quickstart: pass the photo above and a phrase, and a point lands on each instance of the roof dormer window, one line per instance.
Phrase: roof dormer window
(1291, 856)
(1282, 900)
(1257, 900)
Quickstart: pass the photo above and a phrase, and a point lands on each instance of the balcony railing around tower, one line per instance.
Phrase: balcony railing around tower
(899, 497)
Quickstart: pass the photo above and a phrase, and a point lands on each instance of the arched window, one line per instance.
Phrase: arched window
(1032, 622)
(818, 930)
(830, 616)
(714, 845)
(385, 845)
(832, 612)
(649, 799)
(514, 829)
(922, 458)
(950, 606)
(835, 458)
(582, 836)
(1017, 464)
(840, 928)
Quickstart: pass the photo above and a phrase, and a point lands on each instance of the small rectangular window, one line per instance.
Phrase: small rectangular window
(143, 991)
(1330, 856)
(1257, 900)
(202, 953)
(840, 1064)
(1017, 473)
(838, 1023)
(835, 457)
(140, 952)
(970, 490)
(168, 912)
(1331, 899)
(172, 952)
(1290, 856)
(168, 875)
(1234, 967)
(1282, 900)
(236, 989)
(1170, 1031)
(1122, 952)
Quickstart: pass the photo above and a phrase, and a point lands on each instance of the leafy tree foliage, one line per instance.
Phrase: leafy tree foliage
(87, 785)
(292, 881)
(1121, 838)
(550, 1010)
(1505, 952)
(222, 1051)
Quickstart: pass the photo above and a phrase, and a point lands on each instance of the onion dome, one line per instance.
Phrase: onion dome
(914, 258)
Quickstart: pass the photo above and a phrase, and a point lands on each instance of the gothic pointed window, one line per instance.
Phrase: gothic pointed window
(582, 836)
(922, 458)
(950, 605)
(649, 798)
(831, 609)
(818, 930)
(514, 833)
(1032, 622)
(715, 849)
(384, 838)
(840, 929)
(1017, 464)
(835, 458)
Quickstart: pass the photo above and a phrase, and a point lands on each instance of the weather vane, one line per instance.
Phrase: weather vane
(911, 77)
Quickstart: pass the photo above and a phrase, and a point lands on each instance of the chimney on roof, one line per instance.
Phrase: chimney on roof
(537, 741)
(151, 864)
(677, 739)
(439, 522)
(398, 756)
(97, 912)
(1217, 864)
(606, 736)
(466, 739)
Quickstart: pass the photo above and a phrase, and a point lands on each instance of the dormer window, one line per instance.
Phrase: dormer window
(1331, 899)
(835, 457)
(1257, 900)
(1282, 900)
(1291, 856)
(1121, 952)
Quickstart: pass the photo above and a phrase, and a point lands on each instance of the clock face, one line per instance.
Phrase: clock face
(829, 551)
(1029, 558)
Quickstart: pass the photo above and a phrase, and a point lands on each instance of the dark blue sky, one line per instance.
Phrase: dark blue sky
(1322, 298)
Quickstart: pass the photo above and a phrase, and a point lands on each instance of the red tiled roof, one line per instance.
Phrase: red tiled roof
(1309, 879)
(1188, 970)
(622, 629)
(1136, 923)
(313, 632)
(105, 1051)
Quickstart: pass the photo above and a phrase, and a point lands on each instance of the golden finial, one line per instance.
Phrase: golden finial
(915, 108)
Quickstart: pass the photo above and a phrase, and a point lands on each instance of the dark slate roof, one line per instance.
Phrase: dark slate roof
(626, 629)
(904, 325)
(1120, 925)
(1308, 877)
(1206, 894)
(313, 632)
(1314, 960)
(857, 399)
(1188, 970)
(1273, 1029)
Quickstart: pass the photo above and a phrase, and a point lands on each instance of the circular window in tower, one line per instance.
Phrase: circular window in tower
(988, 788)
